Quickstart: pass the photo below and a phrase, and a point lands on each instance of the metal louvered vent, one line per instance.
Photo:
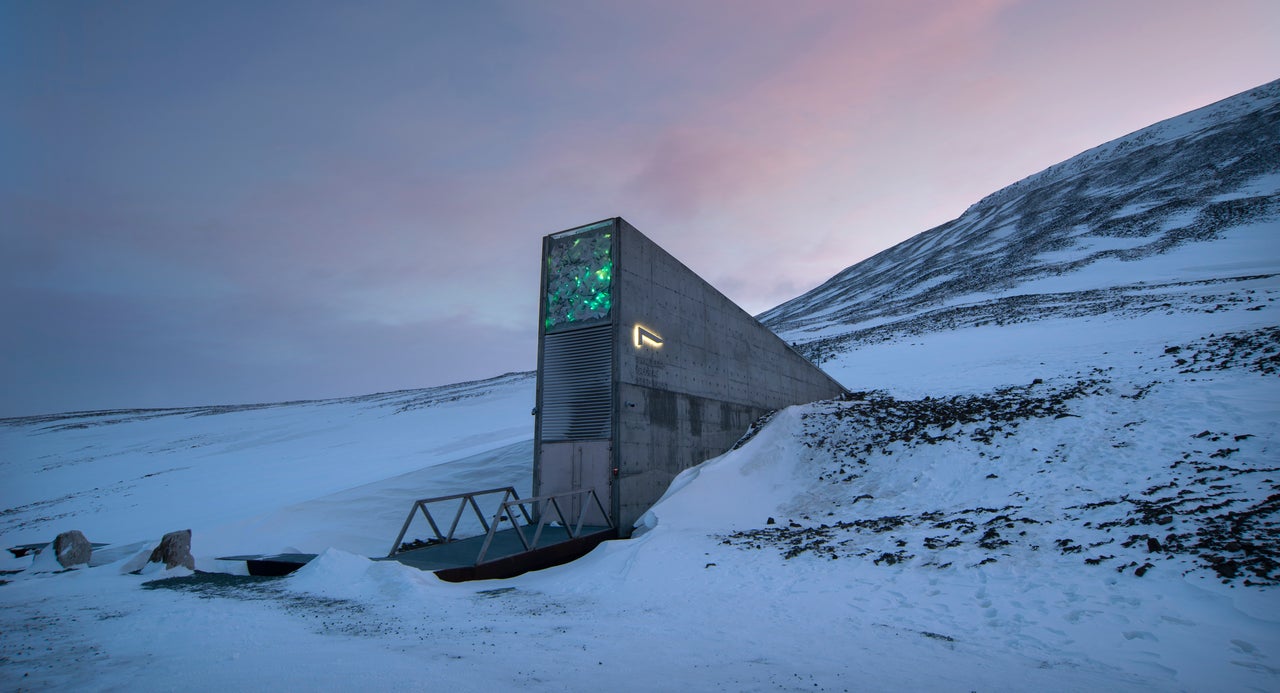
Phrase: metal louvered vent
(577, 369)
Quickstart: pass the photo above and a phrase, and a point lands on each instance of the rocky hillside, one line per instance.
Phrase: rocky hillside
(1027, 252)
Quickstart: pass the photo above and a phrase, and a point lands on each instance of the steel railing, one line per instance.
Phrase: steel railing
(464, 499)
(541, 505)
(547, 508)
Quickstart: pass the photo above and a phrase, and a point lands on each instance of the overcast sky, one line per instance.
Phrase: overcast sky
(225, 202)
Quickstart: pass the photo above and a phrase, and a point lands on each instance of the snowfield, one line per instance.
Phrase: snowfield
(1065, 478)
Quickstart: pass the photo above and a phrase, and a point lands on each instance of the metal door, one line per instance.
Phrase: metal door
(574, 465)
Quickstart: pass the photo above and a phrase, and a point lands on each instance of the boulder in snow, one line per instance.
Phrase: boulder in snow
(174, 550)
(72, 549)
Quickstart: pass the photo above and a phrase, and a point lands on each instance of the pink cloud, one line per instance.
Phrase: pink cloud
(690, 170)
(796, 116)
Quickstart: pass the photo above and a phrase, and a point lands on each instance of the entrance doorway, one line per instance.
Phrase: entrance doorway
(574, 465)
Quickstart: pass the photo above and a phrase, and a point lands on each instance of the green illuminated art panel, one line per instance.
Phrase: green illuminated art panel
(579, 277)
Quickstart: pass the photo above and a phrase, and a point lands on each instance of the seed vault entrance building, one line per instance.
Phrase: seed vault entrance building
(644, 370)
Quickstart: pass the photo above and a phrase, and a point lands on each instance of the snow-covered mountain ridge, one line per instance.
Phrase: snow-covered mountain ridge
(1033, 249)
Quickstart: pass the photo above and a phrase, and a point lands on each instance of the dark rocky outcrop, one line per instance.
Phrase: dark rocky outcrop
(174, 550)
(72, 549)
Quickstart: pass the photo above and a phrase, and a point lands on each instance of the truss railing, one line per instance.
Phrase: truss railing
(464, 500)
(547, 508)
(541, 505)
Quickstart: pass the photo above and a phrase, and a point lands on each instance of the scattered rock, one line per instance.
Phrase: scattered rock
(890, 558)
(1256, 350)
(421, 543)
(72, 549)
(1227, 569)
(1224, 528)
(174, 550)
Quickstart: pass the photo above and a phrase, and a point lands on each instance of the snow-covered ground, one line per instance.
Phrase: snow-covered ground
(264, 478)
(1067, 483)
(713, 596)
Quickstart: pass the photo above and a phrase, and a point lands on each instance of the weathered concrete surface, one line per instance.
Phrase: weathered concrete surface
(692, 397)
(684, 392)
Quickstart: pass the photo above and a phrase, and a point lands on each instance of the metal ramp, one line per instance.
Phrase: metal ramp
(521, 535)
(515, 540)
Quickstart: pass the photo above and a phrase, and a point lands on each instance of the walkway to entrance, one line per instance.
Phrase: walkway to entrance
(521, 535)
(539, 532)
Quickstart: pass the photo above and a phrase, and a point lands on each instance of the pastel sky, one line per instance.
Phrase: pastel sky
(226, 202)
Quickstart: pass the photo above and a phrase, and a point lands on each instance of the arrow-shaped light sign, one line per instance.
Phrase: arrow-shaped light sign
(646, 338)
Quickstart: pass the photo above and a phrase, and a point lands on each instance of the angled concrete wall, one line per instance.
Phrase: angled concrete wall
(688, 372)
(693, 396)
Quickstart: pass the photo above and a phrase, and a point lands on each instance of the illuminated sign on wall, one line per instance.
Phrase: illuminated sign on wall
(645, 338)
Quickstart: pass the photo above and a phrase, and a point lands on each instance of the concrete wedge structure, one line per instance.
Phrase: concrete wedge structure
(645, 369)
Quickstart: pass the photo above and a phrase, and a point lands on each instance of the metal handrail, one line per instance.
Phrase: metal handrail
(546, 501)
(464, 500)
(543, 507)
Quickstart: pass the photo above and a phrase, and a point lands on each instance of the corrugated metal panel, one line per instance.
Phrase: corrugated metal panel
(577, 369)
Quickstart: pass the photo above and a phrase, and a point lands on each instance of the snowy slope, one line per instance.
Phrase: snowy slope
(1060, 470)
(263, 478)
(1116, 229)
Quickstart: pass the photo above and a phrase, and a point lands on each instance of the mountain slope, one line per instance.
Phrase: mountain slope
(1082, 237)
(263, 478)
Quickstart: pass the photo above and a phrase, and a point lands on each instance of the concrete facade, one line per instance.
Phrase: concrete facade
(690, 372)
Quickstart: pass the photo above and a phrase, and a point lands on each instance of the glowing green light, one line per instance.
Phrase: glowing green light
(579, 277)
(605, 273)
(599, 301)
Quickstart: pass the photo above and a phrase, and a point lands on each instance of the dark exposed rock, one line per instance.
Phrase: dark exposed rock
(1207, 511)
(72, 549)
(419, 543)
(1226, 568)
(1257, 351)
(174, 550)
